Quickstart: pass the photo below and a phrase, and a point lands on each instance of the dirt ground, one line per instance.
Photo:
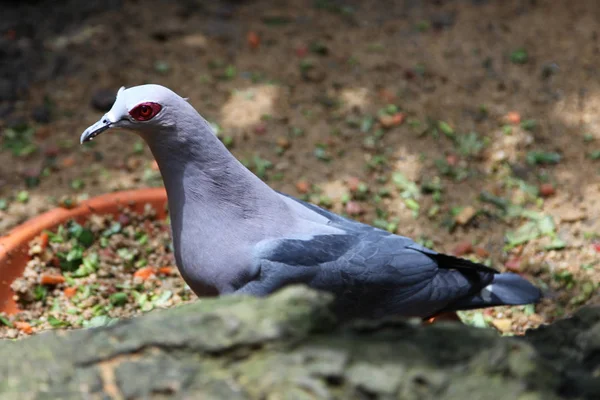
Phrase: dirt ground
(473, 126)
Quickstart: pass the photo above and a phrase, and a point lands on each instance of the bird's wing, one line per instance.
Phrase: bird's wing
(371, 272)
(321, 211)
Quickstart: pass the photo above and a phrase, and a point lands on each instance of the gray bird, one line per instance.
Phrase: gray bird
(233, 234)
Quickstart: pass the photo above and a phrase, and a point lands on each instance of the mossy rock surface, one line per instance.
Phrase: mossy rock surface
(290, 346)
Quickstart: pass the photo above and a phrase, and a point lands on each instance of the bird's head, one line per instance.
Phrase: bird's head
(145, 108)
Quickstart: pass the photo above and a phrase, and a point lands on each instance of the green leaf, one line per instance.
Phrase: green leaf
(529, 124)
(366, 124)
(409, 188)
(100, 320)
(546, 225)
(469, 144)
(86, 238)
(380, 223)
(557, 244)
(542, 158)
(446, 129)
(19, 140)
(83, 235)
(499, 202)
(525, 233)
(275, 20)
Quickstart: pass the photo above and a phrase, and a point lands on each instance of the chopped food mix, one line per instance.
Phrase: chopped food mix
(91, 274)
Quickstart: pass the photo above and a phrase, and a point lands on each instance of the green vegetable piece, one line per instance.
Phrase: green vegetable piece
(126, 254)
(230, 72)
(77, 184)
(114, 228)
(5, 321)
(161, 67)
(542, 158)
(40, 292)
(412, 204)
(138, 147)
(23, 196)
(89, 265)
(162, 298)
(118, 299)
(519, 56)
(57, 323)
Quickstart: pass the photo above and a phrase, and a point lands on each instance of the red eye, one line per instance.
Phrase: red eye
(145, 111)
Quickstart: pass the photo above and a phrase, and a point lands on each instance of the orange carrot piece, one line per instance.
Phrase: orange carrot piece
(44, 239)
(50, 279)
(398, 118)
(70, 292)
(144, 273)
(165, 270)
(24, 327)
(513, 118)
(68, 162)
(253, 40)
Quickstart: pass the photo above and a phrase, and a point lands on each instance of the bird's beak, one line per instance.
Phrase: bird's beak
(96, 129)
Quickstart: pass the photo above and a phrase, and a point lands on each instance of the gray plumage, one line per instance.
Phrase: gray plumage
(232, 233)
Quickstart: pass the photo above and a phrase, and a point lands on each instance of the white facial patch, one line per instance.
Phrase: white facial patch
(119, 109)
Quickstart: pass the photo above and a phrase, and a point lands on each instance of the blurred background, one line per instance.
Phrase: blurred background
(470, 125)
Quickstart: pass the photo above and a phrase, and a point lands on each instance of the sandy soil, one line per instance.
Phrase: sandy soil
(432, 106)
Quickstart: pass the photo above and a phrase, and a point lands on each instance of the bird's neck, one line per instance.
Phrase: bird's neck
(204, 180)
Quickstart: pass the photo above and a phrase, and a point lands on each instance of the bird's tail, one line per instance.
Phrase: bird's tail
(506, 289)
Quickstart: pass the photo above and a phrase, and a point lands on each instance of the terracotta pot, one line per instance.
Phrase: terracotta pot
(14, 246)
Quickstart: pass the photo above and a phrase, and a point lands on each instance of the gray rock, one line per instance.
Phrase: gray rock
(290, 346)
